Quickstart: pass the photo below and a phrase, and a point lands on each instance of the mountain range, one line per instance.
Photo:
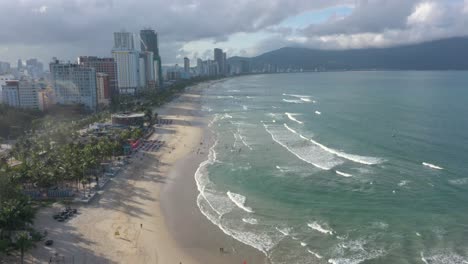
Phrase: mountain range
(444, 54)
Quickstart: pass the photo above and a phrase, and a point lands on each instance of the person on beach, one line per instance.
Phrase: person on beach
(141, 225)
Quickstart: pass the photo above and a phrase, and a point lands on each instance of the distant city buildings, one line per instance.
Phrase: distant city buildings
(74, 84)
(21, 93)
(103, 89)
(103, 65)
(149, 42)
(219, 57)
(4, 67)
(186, 65)
(127, 59)
(137, 70)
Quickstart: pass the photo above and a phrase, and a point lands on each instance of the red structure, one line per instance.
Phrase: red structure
(103, 65)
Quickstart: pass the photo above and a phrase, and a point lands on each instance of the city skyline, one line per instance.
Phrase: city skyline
(186, 29)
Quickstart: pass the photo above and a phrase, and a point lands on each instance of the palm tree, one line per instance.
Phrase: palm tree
(24, 243)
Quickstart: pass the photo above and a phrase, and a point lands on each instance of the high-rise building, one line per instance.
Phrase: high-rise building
(147, 69)
(22, 93)
(20, 64)
(34, 68)
(103, 88)
(4, 67)
(123, 41)
(127, 60)
(218, 57)
(103, 65)
(149, 42)
(27, 93)
(186, 65)
(74, 84)
(10, 93)
(200, 71)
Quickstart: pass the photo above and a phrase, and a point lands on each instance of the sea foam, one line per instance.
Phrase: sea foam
(350, 157)
(432, 166)
(251, 221)
(343, 174)
(293, 101)
(291, 117)
(239, 200)
(316, 226)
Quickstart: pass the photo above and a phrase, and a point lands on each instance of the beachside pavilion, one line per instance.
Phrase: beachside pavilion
(129, 119)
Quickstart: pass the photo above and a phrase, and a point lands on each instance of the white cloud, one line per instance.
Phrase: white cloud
(426, 13)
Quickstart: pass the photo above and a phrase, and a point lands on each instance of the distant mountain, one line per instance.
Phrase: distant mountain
(445, 54)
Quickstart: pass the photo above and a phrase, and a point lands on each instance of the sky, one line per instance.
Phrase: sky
(192, 28)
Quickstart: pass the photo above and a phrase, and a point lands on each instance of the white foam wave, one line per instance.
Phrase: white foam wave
(214, 120)
(318, 112)
(226, 116)
(297, 95)
(251, 221)
(444, 258)
(303, 244)
(239, 200)
(324, 162)
(343, 174)
(290, 129)
(316, 226)
(354, 252)
(403, 183)
(432, 166)
(313, 101)
(261, 241)
(233, 91)
(293, 101)
(315, 254)
(305, 99)
(460, 181)
(291, 117)
(245, 107)
(224, 96)
(243, 138)
(351, 157)
(423, 259)
(284, 231)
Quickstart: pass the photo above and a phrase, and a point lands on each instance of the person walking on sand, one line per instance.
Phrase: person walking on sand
(141, 225)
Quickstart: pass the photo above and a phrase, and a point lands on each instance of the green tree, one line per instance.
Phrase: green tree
(24, 242)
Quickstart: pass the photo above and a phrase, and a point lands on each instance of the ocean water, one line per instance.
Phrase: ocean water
(346, 167)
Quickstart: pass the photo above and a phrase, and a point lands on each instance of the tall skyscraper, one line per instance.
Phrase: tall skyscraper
(103, 65)
(123, 41)
(74, 84)
(149, 42)
(186, 65)
(220, 58)
(127, 60)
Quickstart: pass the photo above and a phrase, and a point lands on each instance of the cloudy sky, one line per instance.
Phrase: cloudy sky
(192, 28)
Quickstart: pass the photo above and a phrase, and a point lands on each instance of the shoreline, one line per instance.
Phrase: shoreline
(148, 213)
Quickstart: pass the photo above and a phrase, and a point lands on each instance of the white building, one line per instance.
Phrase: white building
(28, 94)
(128, 63)
(3, 79)
(128, 76)
(74, 84)
(10, 93)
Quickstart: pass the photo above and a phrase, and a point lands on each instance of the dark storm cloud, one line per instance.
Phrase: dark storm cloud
(69, 28)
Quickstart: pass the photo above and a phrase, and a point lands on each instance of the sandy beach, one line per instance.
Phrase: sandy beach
(148, 213)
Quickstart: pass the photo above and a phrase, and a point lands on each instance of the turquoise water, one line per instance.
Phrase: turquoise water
(349, 167)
